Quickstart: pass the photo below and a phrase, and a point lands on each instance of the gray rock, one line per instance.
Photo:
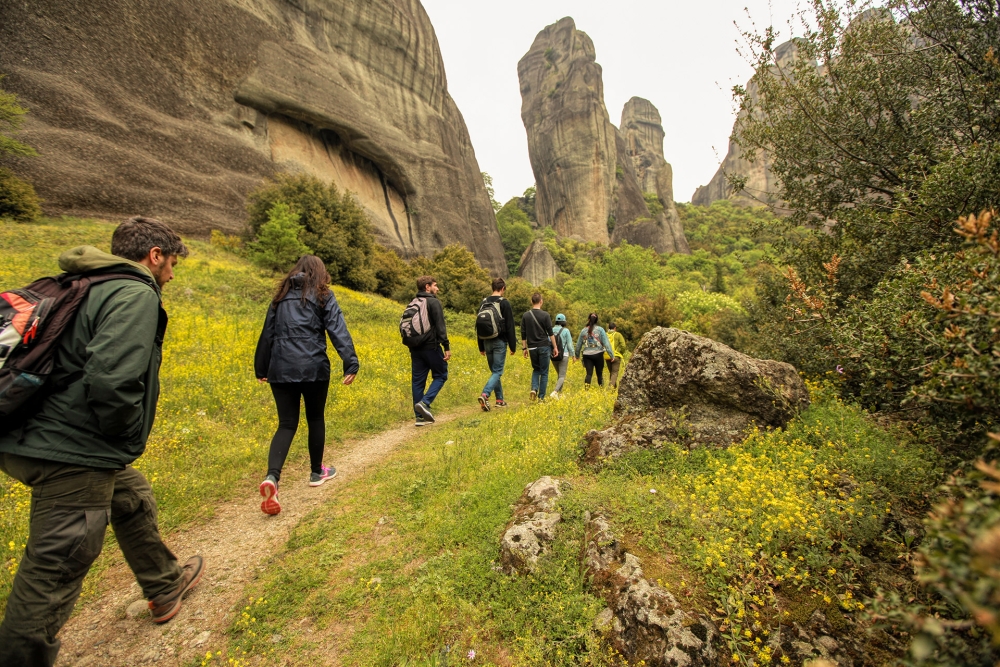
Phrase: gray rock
(647, 624)
(586, 180)
(533, 527)
(137, 609)
(177, 109)
(695, 391)
(537, 264)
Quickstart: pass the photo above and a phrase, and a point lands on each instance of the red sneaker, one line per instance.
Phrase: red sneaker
(269, 492)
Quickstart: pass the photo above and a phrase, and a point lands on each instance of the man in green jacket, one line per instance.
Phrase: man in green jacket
(619, 348)
(75, 450)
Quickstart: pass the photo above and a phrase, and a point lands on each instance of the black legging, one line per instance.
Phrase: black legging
(593, 362)
(286, 397)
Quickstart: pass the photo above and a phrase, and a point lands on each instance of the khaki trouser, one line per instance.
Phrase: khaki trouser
(71, 507)
(614, 367)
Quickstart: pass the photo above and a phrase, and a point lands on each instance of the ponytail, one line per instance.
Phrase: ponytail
(591, 321)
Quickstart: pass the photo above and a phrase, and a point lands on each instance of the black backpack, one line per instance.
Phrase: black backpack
(415, 324)
(489, 321)
(560, 350)
(32, 319)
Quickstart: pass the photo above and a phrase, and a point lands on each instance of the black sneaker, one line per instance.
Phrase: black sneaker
(421, 422)
(484, 402)
(424, 411)
(500, 404)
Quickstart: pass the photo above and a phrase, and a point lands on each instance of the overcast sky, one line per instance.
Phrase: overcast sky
(679, 55)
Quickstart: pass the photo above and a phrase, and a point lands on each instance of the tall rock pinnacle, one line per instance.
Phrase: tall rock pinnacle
(586, 180)
(643, 131)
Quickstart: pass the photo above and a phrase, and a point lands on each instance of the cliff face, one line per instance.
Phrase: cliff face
(586, 179)
(537, 264)
(177, 109)
(643, 133)
(761, 186)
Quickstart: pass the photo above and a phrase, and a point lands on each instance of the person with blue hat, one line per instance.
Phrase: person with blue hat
(564, 343)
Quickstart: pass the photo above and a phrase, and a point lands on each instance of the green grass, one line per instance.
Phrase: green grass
(214, 421)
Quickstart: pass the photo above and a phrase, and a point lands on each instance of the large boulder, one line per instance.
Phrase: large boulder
(178, 108)
(587, 186)
(684, 388)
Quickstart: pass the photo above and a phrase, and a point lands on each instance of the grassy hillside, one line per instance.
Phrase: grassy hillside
(215, 421)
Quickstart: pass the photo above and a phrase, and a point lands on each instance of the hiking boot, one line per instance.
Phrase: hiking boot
(500, 404)
(533, 395)
(484, 402)
(317, 478)
(424, 411)
(269, 492)
(165, 606)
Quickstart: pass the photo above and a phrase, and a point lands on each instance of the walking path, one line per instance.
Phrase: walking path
(116, 631)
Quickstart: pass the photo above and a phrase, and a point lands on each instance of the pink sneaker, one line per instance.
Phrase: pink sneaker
(315, 479)
(269, 491)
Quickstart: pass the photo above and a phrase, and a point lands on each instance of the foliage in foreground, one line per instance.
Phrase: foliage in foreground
(404, 566)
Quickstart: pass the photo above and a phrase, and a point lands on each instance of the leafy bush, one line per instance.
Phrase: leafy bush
(653, 203)
(11, 115)
(516, 233)
(463, 282)
(228, 242)
(335, 226)
(278, 245)
(18, 199)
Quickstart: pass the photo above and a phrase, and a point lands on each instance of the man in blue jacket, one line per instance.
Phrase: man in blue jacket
(75, 451)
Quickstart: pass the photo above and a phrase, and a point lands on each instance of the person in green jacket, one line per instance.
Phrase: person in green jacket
(75, 450)
(619, 348)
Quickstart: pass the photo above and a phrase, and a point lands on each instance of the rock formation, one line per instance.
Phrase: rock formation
(643, 133)
(533, 526)
(695, 391)
(177, 109)
(643, 621)
(537, 264)
(761, 185)
(586, 181)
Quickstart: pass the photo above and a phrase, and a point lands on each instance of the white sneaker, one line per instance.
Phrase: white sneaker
(554, 394)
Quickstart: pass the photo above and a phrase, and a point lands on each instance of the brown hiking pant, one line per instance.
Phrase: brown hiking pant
(71, 507)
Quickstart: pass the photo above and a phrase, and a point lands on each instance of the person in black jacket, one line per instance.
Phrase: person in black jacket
(429, 357)
(291, 357)
(495, 349)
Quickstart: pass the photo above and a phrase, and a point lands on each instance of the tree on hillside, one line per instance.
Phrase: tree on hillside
(515, 233)
(11, 117)
(18, 199)
(488, 182)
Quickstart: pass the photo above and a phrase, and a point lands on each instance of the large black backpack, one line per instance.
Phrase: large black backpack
(415, 324)
(489, 320)
(32, 320)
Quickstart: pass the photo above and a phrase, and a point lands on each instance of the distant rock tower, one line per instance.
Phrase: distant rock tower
(586, 179)
(537, 264)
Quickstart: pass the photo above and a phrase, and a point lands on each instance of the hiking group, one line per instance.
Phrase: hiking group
(79, 382)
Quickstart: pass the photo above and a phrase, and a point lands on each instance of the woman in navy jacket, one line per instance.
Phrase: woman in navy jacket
(291, 357)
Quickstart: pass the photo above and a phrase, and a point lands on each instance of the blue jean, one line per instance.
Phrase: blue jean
(424, 361)
(496, 357)
(540, 358)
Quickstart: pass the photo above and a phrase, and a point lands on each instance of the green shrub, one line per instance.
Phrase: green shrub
(463, 282)
(279, 245)
(393, 274)
(653, 203)
(18, 199)
(335, 226)
(516, 233)
(11, 113)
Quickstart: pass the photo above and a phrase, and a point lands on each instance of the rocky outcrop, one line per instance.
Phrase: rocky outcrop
(643, 134)
(178, 108)
(533, 527)
(537, 264)
(683, 388)
(643, 621)
(761, 185)
(587, 187)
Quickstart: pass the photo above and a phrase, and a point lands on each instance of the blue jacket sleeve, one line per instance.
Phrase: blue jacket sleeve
(579, 344)
(340, 336)
(568, 342)
(262, 356)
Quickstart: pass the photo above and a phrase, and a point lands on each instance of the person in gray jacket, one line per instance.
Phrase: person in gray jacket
(291, 357)
(564, 341)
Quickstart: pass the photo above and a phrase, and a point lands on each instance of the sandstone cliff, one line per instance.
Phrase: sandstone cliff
(178, 108)
(537, 264)
(586, 181)
(643, 132)
(761, 186)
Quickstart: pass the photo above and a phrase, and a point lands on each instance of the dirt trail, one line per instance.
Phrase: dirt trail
(236, 544)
